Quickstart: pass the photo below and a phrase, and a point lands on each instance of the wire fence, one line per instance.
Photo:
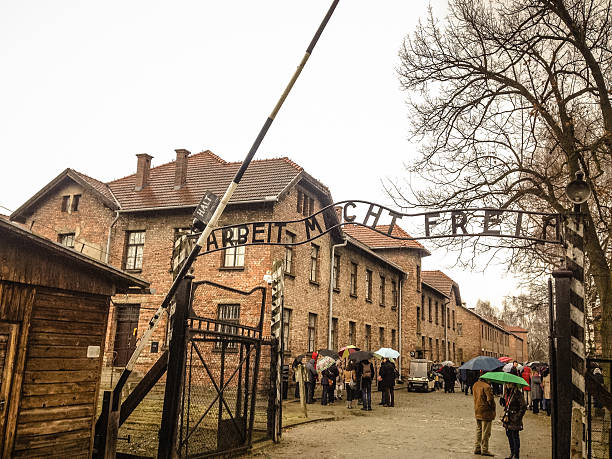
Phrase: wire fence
(599, 420)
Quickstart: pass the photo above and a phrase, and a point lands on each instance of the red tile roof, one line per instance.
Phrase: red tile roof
(438, 280)
(375, 240)
(97, 185)
(263, 180)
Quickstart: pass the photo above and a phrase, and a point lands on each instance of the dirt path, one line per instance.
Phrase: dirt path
(435, 425)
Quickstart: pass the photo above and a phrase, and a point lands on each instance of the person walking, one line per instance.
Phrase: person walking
(536, 391)
(514, 409)
(484, 412)
(471, 378)
(365, 374)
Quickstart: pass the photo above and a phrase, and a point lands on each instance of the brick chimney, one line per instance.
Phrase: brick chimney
(142, 170)
(180, 168)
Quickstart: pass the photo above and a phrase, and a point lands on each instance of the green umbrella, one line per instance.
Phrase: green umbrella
(503, 377)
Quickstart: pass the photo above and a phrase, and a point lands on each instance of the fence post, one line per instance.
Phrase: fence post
(168, 431)
(561, 371)
(276, 327)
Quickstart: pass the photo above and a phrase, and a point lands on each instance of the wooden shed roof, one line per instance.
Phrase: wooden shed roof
(11, 233)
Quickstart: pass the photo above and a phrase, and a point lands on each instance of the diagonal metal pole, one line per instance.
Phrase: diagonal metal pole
(220, 208)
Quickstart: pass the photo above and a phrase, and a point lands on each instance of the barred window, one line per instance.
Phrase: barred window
(336, 272)
(312, 332)
(354, 279)
(368, 285)
(67, 239)
(228, 313)
(314, 263)
(289, 253)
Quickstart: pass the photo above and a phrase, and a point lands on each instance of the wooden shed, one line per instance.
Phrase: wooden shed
(54, 305)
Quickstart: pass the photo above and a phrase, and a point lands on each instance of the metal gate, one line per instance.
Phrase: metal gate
(599, 417)
(219, 410)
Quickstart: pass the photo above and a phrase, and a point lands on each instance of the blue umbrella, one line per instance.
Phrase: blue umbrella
(483, 363)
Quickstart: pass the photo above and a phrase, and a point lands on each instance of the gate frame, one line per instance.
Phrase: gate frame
(184, 330)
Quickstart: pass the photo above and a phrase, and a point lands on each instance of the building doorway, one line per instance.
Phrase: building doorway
(126, 333)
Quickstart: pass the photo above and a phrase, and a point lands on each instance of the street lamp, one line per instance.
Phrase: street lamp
(578, 191)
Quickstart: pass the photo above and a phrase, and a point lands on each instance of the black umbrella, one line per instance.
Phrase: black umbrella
(361, 355)
(328, 353)
(299, 359)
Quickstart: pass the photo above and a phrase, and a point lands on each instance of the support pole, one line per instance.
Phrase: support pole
(168, 438)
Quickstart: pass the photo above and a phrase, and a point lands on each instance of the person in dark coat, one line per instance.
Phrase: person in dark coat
(387, 382)
(471, 377)
(311, 373)
(514, 409)
(536, 391)
(365, 373)
(325, 384)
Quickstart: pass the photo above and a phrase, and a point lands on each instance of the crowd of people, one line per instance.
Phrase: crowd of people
(351, 380)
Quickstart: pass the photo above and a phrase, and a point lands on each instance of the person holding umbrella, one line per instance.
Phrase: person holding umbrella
(387, 375)
(484, 412)
(512, 420)
(311, 370)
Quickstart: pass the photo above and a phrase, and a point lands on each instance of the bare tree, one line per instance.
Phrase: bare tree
(484, 308)
(509, 100)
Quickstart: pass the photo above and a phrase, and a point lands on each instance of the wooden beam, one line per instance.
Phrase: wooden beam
(144, 386)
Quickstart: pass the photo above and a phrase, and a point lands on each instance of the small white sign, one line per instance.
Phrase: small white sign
(93, 352)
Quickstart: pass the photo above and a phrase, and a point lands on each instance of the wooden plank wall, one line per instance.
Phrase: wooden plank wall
(23, 262)
(60, 384)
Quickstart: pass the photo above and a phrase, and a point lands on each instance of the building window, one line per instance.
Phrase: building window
(459, 329)
(368, 280)
(314, 263)
(234, 256)
(75, 203)
(393, 339)
(454, 353)
(352, 332)
(381, 336)
(65, 202)
(289, 253)
(443, 311)
(437, 321)
(353, 279)
(394, 296)
(437, 349)
(423, 306)
(431, 355)
(368, 337)
(453, 319)
(334, 333)
(336, 272)
(418, 278)
(312, 332)
(429, 303)
(382, 290)
(286, 328)
(418, 320)
(423, 345)
(305, 204)
(66, 239)
(444, 350)
(134, 250)
(228, 313)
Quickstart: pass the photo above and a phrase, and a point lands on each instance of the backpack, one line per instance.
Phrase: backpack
(366, 370)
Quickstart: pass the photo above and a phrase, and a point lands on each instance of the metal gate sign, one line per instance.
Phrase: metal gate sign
(541, 227)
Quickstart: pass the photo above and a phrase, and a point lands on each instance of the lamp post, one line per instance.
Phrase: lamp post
(567, 375)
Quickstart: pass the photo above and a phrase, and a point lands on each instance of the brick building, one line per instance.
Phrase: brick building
(481, 336)
(518, 343)
(133, 222)
(437, 317)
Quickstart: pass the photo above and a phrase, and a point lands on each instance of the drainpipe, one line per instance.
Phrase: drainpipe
(399, 326)
(445, 330)
(110, 231)
(331, 293)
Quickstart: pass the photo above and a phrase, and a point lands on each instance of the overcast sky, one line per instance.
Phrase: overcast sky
(88, 85)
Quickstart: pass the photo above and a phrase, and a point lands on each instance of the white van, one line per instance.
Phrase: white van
(419, 376)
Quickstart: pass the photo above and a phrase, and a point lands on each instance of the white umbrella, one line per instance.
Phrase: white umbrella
(387, 352)
(508, 367)
(447, 363)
